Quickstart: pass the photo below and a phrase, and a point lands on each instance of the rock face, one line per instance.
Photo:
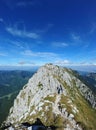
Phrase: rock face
(57, 97)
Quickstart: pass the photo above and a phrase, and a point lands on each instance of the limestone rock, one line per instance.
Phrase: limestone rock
(50, 93)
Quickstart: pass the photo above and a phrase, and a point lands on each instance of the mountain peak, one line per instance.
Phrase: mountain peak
(55, 95)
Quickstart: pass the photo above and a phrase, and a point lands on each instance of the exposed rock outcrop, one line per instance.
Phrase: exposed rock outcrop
(54, 95)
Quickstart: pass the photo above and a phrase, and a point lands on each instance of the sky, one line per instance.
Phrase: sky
(35, 32)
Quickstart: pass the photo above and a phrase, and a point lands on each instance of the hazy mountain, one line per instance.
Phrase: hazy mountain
(84, 68)
(57, 97)
(89, 78)
(11, 82)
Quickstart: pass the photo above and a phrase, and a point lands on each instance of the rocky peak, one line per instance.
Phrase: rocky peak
(53, 94)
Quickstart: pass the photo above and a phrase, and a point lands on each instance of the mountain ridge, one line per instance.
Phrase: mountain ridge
(54, 95)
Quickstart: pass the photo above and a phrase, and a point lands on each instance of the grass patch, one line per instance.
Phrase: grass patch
(40, 85)
(86, 115)
(50, 98)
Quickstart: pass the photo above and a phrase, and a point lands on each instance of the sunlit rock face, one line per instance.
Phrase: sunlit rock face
(56, 96)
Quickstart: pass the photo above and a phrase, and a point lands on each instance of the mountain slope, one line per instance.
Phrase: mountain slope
(11, 83)
(90, 80)
(6, 103)
(58, 98)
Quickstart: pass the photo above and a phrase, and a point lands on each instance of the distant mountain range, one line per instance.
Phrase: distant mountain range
(24, 68)
(86, 68)
(58, 97)
(89, 78)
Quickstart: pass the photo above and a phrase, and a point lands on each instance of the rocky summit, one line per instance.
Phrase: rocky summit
(58, 98)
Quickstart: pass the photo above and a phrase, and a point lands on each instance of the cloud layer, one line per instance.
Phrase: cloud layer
(39, 54)
(60, 44)
(20, 33)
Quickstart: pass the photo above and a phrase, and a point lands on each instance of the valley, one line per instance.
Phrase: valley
(11, 82)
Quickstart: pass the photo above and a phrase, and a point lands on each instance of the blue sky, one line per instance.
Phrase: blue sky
(35, 32)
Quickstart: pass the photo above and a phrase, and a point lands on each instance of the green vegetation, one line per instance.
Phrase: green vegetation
(22, 95)
(5, 104)
(40, 85)
(11, 82)
(86, 115)
(58, 120)
(46, 115)
(50, 98)
(87, 78)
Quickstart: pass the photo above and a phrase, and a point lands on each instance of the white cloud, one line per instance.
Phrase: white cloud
(63, 62)
(60, 44)
(17, 44)
(20, 33)
(70, 63)
(87, 63)
(39, 54)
